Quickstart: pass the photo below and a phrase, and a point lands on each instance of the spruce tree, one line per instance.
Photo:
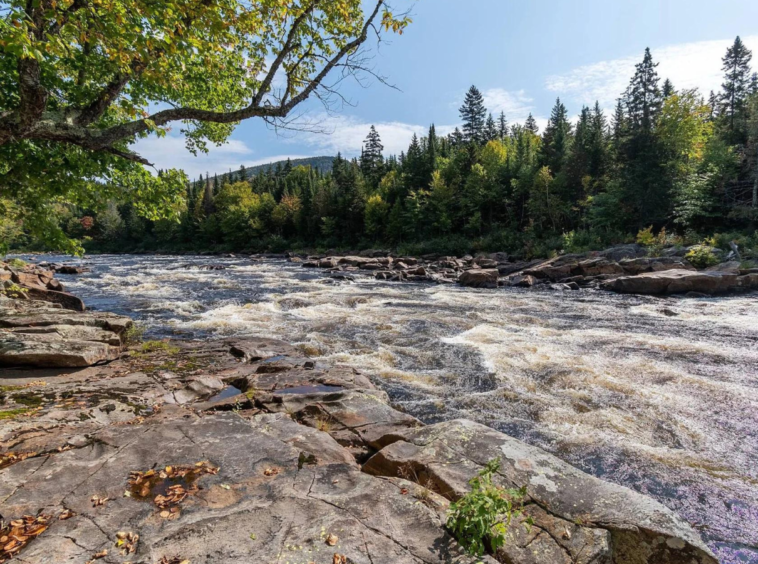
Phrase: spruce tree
(474, 114)
(531, 124)
(643, 97)
(668, 89)
(735, 90)
(502, 126)
(372, 160)
(556, 140)
(490, 129)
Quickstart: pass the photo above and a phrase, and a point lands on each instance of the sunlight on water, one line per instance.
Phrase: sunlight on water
(656, 394)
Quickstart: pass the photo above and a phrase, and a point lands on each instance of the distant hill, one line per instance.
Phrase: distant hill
(323, 164)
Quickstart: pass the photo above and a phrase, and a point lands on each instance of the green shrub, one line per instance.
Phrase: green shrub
(133, 334)
(480, 519)
(16, 263)
(701, 256)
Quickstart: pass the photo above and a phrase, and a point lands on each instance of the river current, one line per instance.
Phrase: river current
(657, 394)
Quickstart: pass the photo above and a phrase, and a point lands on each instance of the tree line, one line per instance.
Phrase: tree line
(668, 161)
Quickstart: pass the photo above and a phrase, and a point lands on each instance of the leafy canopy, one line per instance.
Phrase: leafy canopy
(80, 80)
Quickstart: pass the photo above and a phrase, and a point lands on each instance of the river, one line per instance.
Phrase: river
(660, 395)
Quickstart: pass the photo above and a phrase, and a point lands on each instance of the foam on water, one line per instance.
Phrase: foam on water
(656, 394)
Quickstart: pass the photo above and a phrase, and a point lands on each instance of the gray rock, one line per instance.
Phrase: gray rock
(639, 529)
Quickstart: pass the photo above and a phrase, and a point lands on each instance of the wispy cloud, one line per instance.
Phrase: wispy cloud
(688, 65)
(345, 134)
(516, 104)
(170, 152)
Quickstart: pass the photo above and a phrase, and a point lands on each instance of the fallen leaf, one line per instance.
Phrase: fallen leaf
(271, 471)
(66, 514)
(98, 501)
(339, 559)
(403, 491)
(331, 539)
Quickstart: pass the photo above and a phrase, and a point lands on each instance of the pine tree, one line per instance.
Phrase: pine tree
(502, 126)
(432, 149)
(490, 129)
(243, 173)
(736, 89)
(668, 89)
(713, 105)
(456, 137)
(753, 87)
(556, 140)
(531, 125)
(643, 97)
(473, 113)
(372, 161)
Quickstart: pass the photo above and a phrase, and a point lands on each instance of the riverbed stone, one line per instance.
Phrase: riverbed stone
(475, 278)
(449, 454)
(674, 282)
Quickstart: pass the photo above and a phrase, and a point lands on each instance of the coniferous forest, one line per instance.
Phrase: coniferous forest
(668, 164)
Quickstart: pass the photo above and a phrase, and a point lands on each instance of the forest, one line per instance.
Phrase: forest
(671, 165)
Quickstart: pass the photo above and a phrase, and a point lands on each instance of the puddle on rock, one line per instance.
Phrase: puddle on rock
(226, 393)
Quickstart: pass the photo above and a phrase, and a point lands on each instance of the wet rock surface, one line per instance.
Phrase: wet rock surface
(134, 462)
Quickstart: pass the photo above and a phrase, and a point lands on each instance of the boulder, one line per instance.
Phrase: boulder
(479, 278)
(52, 351)
(732, 267)
(598, 521)
(522, 280)
(619, 252)
(674, 282)
(327, 263)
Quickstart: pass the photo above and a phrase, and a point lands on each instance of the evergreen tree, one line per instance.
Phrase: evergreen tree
(502, 126)
(372, 161)
(490, 129)
(668, 89)
(456, 137)
(643, 97)
(556, 140)
(736, 89)
(531, 124)
(473, 113)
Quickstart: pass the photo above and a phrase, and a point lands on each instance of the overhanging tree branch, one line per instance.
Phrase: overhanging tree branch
(33, 121)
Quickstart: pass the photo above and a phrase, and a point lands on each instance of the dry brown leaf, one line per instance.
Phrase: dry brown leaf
(97, 501)
(271, 471)
(18, 533)
(331, 539)
(403, 491)
(102, 554)
(66, 514)
(339, 559)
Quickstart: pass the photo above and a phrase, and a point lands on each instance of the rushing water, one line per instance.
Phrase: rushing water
(660, 395)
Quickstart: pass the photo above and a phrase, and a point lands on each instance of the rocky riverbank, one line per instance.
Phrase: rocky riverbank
(221, 451)
(625, 269)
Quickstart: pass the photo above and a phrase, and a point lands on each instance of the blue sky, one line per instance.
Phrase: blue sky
(521, 54)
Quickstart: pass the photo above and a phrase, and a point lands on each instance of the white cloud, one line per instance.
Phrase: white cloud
(345, 134)
(688, 65)
(515, 103)
(170, 152)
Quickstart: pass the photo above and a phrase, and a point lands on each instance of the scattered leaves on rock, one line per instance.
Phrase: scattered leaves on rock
(169, 487)
(127, 542)
(18, 533)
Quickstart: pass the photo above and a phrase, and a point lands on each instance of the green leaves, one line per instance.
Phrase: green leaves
(479, 520)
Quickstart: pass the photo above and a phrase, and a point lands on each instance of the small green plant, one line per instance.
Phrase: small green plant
(158, 346)
(480, 519)
(133, 334)
(701, 256)
(16, 263)
(13, 291)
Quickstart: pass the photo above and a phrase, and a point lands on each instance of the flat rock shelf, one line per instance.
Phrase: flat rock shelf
(225, 450)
